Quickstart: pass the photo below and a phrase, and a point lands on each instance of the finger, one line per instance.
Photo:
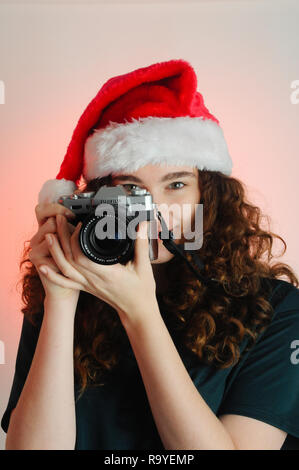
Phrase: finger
(78, 255)
(71, 228)
(64, 235)
(39, 251)
(80, 259)
(41, 255)
(44, 211)
(64, 266)
(141, 253)
(48, 227)
(59, 279)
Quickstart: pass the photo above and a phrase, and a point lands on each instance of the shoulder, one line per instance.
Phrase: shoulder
(284, 324)
(284, 296)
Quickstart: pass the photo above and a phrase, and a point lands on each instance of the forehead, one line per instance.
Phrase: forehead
(153, 172)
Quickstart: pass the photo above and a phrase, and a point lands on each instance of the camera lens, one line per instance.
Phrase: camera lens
(108, 246)
(117, 248)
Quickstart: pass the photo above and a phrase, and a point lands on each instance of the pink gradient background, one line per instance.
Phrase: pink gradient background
(54, 59)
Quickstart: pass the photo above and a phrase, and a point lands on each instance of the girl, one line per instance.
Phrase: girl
(145, 355)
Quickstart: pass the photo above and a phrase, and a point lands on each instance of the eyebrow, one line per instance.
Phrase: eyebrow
(169, 176)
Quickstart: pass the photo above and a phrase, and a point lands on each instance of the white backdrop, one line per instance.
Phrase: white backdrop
(54, 57)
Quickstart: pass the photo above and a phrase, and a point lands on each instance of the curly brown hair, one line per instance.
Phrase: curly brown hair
(211, 322)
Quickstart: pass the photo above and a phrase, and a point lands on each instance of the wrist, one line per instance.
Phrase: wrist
(65, 306)
(139, 314)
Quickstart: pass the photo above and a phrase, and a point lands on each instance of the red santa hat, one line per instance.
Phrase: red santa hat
(153, 115)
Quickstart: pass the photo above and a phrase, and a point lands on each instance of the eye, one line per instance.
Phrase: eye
(178, 182)
(130, 186)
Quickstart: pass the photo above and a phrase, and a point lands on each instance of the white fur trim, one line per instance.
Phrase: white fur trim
(53, 189)
(190, 141)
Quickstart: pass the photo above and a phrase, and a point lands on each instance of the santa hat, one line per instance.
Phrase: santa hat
(153, 115)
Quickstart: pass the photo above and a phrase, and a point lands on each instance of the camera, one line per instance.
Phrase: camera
(109, 219)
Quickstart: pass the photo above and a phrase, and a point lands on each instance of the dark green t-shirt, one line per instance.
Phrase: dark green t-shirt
(264, 385)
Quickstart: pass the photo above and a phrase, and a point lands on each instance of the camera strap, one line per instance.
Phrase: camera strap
(196, 265)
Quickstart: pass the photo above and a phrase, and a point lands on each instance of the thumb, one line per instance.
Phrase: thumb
(141, 254)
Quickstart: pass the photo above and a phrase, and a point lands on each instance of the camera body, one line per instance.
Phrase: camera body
(118, 210)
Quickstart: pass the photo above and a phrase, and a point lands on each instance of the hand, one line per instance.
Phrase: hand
(122, 287)
(40, 253)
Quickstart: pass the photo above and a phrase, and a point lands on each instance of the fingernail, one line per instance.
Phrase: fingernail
(69, 214)
(43, 269)
(142, 230)
(49, 239)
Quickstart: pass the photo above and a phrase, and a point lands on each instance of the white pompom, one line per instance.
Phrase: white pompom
(53, 189)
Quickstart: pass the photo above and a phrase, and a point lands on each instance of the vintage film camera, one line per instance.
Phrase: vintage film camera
(110, 217)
